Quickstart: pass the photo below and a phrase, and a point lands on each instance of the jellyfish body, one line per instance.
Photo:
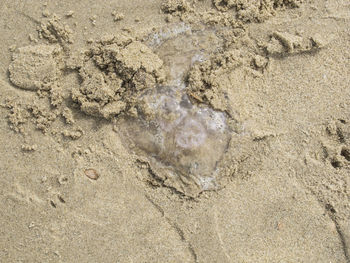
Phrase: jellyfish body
(184, 141)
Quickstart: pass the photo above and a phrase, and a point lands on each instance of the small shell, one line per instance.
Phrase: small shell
(92, 174)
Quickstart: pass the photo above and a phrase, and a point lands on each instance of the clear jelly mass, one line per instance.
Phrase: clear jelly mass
(182, 141)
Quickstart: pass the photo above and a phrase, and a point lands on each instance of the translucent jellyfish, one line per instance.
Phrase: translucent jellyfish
(191, 134)
(183, 142)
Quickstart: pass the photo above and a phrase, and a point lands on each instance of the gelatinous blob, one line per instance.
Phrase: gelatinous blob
(180, 46)
(183, 142)
(191, 134)
(167, 33)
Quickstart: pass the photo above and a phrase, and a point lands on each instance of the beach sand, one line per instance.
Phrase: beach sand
(175, 131)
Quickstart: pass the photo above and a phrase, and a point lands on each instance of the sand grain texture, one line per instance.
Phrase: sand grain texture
(72, 188)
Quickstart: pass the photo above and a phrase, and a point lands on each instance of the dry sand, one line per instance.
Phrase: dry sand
(175, 131)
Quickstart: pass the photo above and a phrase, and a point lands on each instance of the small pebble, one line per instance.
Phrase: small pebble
(62, 180)
(12, 48)
(92, 174)
(29, 148)
(93, 20)
(70, 13)
(46, 13)
(117, 16)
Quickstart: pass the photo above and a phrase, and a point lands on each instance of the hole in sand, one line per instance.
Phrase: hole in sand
(345, 152)
(336, 163)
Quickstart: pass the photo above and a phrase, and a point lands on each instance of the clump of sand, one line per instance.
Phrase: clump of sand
(35, 67)
(113, 73)
(254, 11)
